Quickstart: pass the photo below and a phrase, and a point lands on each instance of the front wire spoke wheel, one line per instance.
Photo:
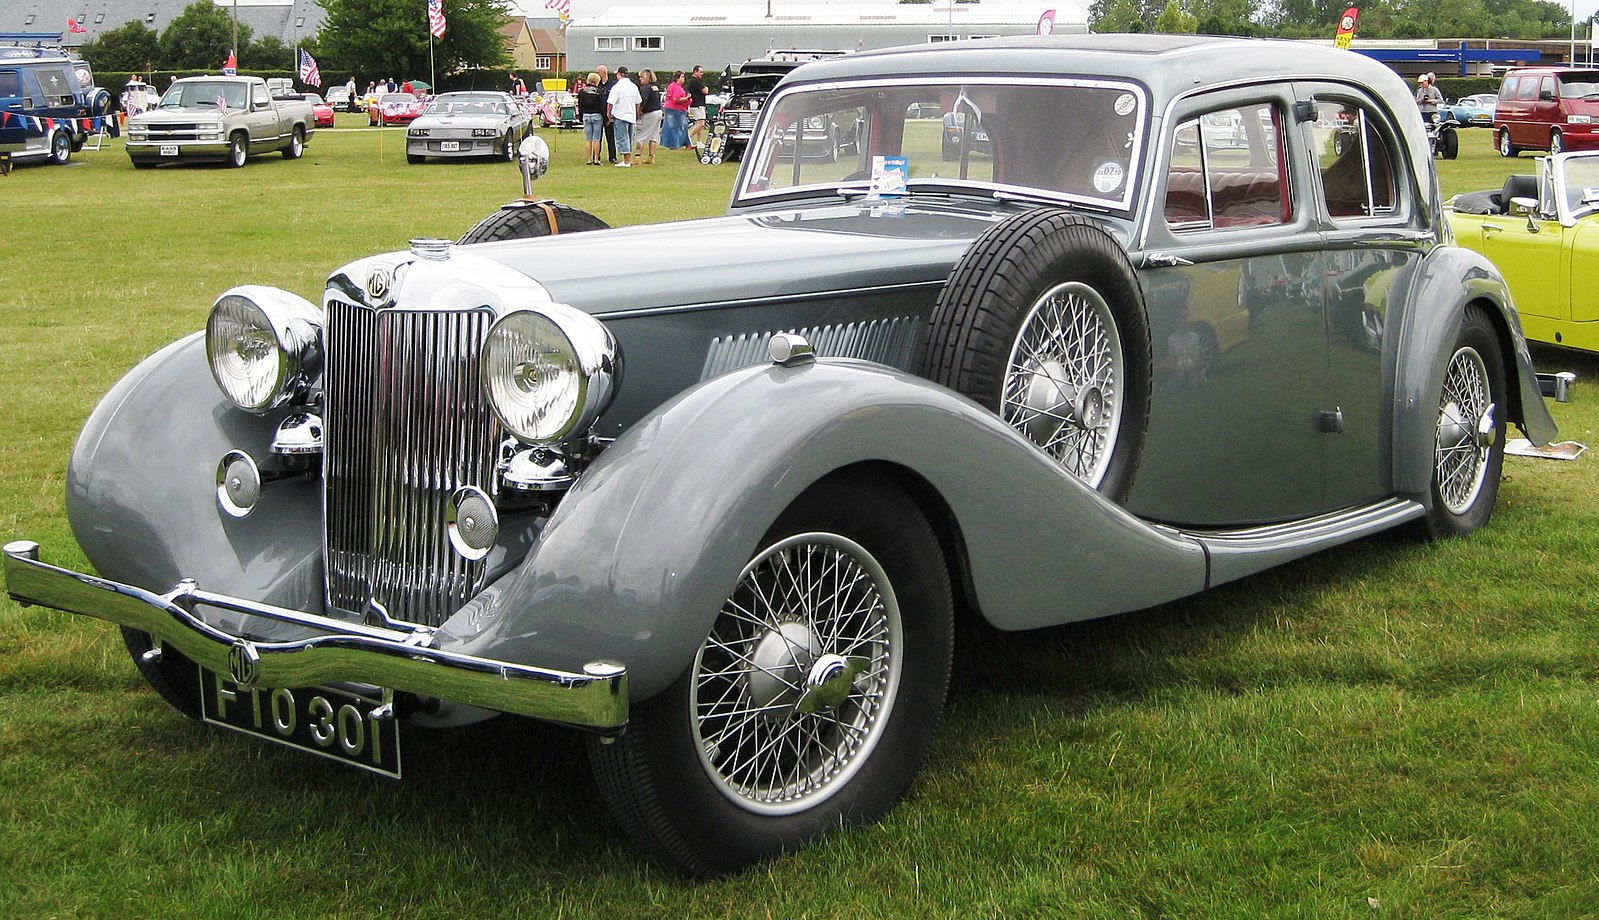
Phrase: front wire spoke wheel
(799, 674)
(1063, 380)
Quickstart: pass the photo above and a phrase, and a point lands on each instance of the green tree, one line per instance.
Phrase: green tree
(389, 38)
(1175, 19)
(1120, 16)
(200, 38)
(269, 53)
(130, 47)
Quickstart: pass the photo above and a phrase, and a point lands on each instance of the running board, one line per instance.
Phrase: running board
(1232, 554)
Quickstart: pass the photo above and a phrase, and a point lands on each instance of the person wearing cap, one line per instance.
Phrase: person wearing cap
(1428, 98)
(623, 105)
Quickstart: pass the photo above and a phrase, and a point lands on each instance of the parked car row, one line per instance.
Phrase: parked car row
(435, 496)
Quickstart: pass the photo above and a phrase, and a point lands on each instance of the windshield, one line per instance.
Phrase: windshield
(1582, 184)
(1072, 139)
(467, 105)
(204, 94)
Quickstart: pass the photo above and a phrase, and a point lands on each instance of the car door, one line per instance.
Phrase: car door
(12, 102)
(1528, 250)
(1234, 303)
(1369, 201)
(263, 120)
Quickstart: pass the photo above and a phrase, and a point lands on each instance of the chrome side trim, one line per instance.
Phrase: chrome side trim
(885, 341)
(1245, 551)
(397, 659)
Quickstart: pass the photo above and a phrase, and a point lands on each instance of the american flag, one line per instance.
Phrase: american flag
(222, 102)
(309, 75)
(436, 18)
(564, 7)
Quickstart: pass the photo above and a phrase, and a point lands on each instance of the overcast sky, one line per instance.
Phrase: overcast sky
(581, 8)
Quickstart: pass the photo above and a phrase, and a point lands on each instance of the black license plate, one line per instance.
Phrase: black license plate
(331, 723)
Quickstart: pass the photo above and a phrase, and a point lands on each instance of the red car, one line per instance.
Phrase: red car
(394, 109)
(320, 110)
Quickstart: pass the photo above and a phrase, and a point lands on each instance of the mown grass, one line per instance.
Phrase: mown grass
(1391, 729)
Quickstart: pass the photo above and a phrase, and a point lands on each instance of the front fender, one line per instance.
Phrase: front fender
(1449, 279)
(141, 490)
(640, 555)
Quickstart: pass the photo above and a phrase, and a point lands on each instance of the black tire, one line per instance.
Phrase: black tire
(1557, 144)
(414, 158)
(1042, 258)
(703, 789)
(296, 148)
(175, 677)
(60, 148)
(1448, 143)
(1468, 460)
(1506, 148)
(238, 150)
(508, 149)
(528, 221)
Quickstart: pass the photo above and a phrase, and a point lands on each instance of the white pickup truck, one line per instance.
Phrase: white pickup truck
(219, 118)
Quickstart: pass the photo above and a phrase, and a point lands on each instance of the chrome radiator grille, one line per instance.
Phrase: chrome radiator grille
(406, 424)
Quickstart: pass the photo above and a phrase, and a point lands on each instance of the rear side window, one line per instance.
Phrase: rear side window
(56, 86)
(10, 83)
(1527, 89)
(1355, 160)
(1508, 90)
(1227, 170)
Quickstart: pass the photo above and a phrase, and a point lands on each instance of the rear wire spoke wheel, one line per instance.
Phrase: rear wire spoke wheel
(1469, 439)
(812, 701)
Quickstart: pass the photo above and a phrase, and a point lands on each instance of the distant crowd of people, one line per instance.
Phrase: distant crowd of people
(632, 117)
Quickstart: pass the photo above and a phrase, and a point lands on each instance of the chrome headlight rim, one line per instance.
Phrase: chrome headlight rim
(295, 327)
(590, 367)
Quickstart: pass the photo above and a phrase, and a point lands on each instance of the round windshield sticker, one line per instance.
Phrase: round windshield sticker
(1125, 103)
(1108, 178)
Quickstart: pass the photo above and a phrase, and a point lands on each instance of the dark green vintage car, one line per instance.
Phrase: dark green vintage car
(1122, 356)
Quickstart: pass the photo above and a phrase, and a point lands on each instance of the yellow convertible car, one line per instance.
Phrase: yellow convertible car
(1542, 231)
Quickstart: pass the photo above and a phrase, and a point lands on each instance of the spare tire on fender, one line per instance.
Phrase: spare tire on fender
(528, 220)
(1043, 321)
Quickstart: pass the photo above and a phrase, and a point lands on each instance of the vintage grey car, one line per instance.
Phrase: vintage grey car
(724, 520)
(468, 125)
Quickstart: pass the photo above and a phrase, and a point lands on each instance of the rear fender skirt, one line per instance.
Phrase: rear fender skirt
(640, 555)
(1448, 280)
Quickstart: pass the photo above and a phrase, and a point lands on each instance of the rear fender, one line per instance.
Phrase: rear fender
(640, 555)
(1449, 279)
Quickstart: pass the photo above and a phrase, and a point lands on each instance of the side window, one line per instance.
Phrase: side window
(1527, 89)
(55, 85)
(1355, 160)
(1508, 90)
(10, 84)
(259, 96)
(1227, 170)
(1546, 90)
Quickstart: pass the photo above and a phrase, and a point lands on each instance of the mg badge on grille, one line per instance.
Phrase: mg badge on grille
(378, 284)
(243, 664)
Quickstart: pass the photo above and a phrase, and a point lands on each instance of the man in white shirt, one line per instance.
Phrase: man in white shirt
(622, 107)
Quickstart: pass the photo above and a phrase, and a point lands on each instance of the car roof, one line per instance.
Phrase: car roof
(1168, 64)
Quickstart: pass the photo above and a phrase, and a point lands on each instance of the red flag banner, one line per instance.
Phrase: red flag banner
(1346, 27)
(74, 28)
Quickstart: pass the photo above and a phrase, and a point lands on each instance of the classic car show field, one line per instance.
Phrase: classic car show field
(1390, 728)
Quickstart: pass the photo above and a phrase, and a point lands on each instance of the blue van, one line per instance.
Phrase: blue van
(43, 83)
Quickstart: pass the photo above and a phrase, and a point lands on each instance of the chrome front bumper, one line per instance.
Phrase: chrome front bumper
(391, 656)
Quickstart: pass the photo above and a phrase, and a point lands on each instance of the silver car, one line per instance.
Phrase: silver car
(468, 125)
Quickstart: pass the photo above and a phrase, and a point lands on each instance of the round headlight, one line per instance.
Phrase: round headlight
(263, 345)
(549, 373)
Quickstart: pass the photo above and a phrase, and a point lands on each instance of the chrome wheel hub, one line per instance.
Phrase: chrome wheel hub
(796, 680)
(1063, 380)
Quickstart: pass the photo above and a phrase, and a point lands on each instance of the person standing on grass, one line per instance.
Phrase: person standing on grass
(607, 83)
(591, 109)
(695, 84)
(623, 104)
(674, 114)
(649, 116)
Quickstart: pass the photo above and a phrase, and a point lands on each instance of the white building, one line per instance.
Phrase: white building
(667, 38)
